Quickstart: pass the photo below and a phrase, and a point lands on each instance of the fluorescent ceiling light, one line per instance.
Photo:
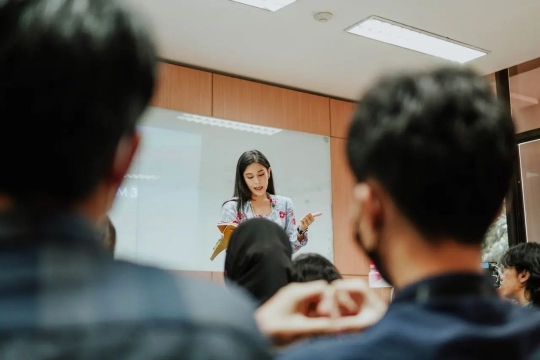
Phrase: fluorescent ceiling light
(390, 32)
(272, 5)
(227, 124)
(141, 176)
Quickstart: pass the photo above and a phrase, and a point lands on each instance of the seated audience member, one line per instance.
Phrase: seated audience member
(259, 258)
(76, 76)
(433, 154)
(520, 280)
(311, 267)
(107, 234)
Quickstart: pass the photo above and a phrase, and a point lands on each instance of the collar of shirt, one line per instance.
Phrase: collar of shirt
(445, 286)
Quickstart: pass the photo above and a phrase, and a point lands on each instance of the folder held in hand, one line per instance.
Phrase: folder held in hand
(226, 230)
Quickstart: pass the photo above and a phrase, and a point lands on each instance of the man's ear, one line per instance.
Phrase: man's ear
(125, 152)
(524, 276)
(370, 203)
(368, 213)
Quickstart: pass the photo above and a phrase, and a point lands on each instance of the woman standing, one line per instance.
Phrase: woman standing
(255, 197)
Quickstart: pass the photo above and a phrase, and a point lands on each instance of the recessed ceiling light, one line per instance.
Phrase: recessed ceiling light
(390, 32)
(272, 5)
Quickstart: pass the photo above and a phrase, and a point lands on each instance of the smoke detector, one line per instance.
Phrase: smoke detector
(323, 16)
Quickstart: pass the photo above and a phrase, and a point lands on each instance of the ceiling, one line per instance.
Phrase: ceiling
(290, 48)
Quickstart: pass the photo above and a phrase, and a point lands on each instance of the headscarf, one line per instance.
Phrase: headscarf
(259, 258)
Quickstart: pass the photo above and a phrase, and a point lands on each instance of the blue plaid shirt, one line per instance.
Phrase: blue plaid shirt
(63, 297)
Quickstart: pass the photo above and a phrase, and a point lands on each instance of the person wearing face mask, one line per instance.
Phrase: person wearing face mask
(433, 155)
(520, 280)
(255, 197)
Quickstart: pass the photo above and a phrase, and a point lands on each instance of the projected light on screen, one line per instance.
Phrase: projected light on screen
(159, 198)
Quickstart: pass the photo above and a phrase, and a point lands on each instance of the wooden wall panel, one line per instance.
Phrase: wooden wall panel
(347, 256)
(183, 89)
(217, 278)
(214, 276)
(255, 103)
(162, 92)
(206, 275)
(384, 293)
(527, 118)
(340, 116)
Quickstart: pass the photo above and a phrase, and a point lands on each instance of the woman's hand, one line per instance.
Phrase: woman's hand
(308, 219)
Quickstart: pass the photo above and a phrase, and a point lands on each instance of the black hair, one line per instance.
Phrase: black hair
(259, 258)
(76, 76)
(242, 194)
(311, 267)
(442, 146)
(526, 257)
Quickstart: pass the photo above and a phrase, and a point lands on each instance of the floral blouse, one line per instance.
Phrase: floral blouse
(282, 214)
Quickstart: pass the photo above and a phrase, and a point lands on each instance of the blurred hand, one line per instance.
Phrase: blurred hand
(308, 219)
(288, 315)
(307, 309)
(352, 305)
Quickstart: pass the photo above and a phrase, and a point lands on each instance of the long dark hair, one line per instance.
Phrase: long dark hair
(241, 193)
(526, 257)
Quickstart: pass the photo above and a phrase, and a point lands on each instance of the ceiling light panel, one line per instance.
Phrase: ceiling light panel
(227, 124)
(271, 5)
(409, 38)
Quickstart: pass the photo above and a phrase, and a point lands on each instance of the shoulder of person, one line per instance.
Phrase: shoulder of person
(202, 306)
(231, 203)
(282, 200)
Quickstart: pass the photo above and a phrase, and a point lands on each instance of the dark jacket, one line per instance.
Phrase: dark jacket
(447, 317)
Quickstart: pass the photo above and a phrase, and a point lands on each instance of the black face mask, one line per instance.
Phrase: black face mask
(373, 256)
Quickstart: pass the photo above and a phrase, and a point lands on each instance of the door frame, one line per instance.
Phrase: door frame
(518, 202)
